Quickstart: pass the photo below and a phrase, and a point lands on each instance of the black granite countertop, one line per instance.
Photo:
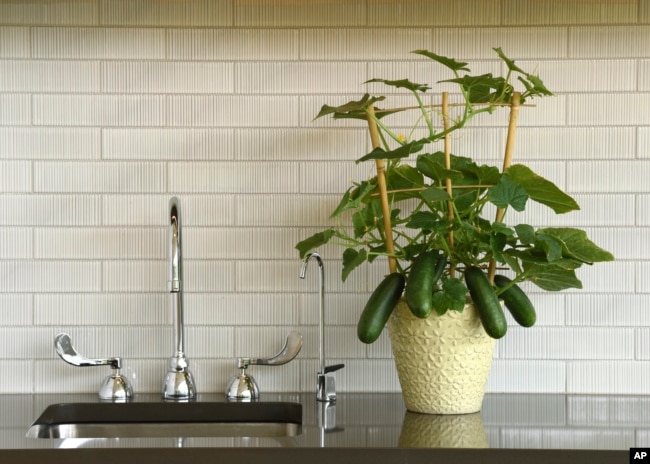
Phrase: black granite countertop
(371, 427)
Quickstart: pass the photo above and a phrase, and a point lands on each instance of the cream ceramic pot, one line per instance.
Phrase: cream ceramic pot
(443, 362)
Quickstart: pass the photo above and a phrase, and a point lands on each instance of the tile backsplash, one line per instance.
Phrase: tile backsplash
(110, 107)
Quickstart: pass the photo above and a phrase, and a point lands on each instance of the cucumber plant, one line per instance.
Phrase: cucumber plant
(434, 196)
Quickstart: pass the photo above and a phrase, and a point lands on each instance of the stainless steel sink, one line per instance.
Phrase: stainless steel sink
(157, 419)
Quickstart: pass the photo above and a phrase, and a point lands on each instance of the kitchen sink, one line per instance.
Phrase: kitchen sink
(160, 419)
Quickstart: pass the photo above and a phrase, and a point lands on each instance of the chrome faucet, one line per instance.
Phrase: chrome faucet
(325, 383)
(179, 383)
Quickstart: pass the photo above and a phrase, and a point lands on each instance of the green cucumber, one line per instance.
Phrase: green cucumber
(379, 307)
(516, 301)
(486, 301)
(424, 275)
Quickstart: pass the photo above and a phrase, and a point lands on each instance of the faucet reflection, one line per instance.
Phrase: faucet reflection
(179, 383)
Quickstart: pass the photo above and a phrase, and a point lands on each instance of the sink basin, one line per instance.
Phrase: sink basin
(194, 419)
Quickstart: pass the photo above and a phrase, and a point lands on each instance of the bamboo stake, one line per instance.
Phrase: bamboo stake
(507, 161)
(383, 194)
(448, 186)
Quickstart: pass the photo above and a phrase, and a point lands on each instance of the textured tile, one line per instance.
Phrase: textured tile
(620, 41)
(135, 276)
(643, 145)
(642, 273)
(624, 109)
(45, 276)
(166, 13)
(607, 377)
(15, 176)
(642, 344)
(261, 13)
(167, 77)
(49, 76)
(17, 384)
(16, 309)
(110, 177)
(233, 111)
(642, 210)
(333, 176)
(227, 177)
(96, 243)
(232, 44)
(460, 43)
(410, 13)
(537, 376)
(615, 310)
(241, 309)
(239, 243)
(14, 42)
(49, 210)
(98, 43)
(99, 110)
(210, 276)
(604, 176)
(352, 44)
(623, 243)
(285, 210)
(15, 109)
(42, 12)
(49, 143)
(567, 343)
(550, 12)
(168, 144)
(16, 243)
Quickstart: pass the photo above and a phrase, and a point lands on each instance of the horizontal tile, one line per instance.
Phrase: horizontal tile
(99, 110)
(43, 12)
(623, 243)
(15, 176)
(642, 344)
(567, 343)
(604, 176)
(260, 13)
(233, 111)
(352, 44)
(101, 309)
(642, 211)
(284, 210)
(339, 308)
(14, 42)
(239, 243)
(15, 109)
(167, 77)
(619, 41)
(550, 12)
(16, 243)
(408, 13)
(607, 377)
(134, 276)
(49, 143)
(49, 76)
(99, 243)
(615, 310)
(232, 44)
(210, 276)
(110, 177)
(532, 376)
(98, 43)
(460, 43)
(45, 276)
(333, 176)
(16, 309)
(622, 109)
(153, 210)
(167, 144)
(295, 144)
(21, 384)
(241, 309)
(643, 144)
(298, 77)
(50, 210)
(234, 177)
(203, 13)
(641, 273)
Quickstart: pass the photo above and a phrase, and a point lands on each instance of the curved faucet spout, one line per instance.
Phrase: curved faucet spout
(179, 384)
(321, 305)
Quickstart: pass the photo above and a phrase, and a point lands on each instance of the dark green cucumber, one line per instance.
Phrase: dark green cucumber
(425, 273)
(486, 301)
(516, 301)
(379, 307)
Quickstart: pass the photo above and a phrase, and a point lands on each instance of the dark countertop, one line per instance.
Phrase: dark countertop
(371, 427)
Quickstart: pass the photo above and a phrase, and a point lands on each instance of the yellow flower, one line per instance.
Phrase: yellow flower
(401, 137)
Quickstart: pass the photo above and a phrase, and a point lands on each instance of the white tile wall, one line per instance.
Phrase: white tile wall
(108, 108)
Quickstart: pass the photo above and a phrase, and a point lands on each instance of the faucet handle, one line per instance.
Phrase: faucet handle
(326, 383)
(333, 368)
(115, 387)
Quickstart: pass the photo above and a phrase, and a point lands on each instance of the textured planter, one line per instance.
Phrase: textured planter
(443, 362)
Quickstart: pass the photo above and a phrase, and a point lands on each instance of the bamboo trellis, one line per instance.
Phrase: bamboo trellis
(514, 105)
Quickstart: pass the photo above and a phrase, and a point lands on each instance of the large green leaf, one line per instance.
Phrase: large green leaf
(313, 242)
(351, 260)
(349, 107)
(480, 89)
(434, 194)
(403, 151)
(403, 84)
(576, 244)
(541, 190)
(353, 198)
(443, 60)
(405, 178)
(508, 193)
(552, 278)
(452, 296)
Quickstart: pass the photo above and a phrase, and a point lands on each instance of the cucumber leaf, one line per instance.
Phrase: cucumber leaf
(552, 278)
(351, 260)
(443, 60)
(313, 242)
(403, 151)
(403, 84)
(508, 193)
(576, 245)
(452, 296)
(541, 190)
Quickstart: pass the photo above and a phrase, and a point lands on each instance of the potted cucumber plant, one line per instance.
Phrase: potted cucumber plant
(440, 220)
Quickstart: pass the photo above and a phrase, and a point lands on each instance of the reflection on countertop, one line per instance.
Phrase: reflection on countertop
(379, 420)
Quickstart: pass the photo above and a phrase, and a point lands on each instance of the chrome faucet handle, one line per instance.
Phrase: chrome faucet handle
(326, 384)
(115, 387)
(243, 387)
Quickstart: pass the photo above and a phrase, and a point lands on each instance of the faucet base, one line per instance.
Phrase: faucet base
(179, 382)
